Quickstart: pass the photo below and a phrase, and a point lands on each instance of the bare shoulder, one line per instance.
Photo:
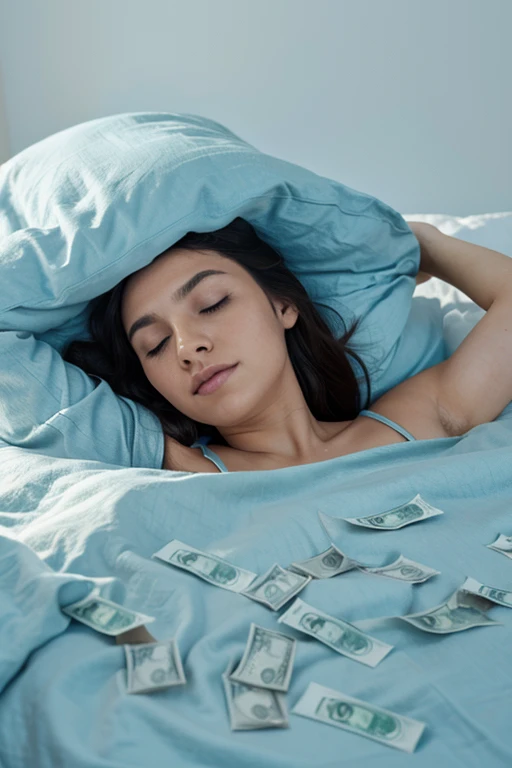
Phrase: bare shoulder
(414, 405)
(182, 458)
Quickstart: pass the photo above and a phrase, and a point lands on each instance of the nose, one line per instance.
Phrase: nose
(189, 346)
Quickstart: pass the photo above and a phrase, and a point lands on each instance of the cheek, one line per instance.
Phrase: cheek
(258, 341)
(257, 325)
(165, 382)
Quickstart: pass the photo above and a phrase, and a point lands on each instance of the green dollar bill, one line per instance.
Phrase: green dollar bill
(152, 666)
(267, 661)
(105, 616)
(468, 599)
(403, 569)
(209, 567)
(325, 565)
(336, 633)
(503, 544)
(415, 510)
(276, 587)
(359, 717)
(494, 594)
(449, 617)
(253, 708)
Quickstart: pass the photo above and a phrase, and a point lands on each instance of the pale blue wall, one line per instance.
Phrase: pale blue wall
(408, 100)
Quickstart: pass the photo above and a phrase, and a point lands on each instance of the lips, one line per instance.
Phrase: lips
(216, 380)
(202, 377)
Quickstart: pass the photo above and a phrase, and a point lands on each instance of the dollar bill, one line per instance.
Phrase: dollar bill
(326, 564)
(275, 587)
(267, 661)
(468, 599)
(494, 594)
(451, 616)
(105, 616)
(152, 666)
(209, 567)
(336, 633)
(412, 512)
(135, 636)
(502, 544)
(253, 708)
(403, 569)
(357, 716)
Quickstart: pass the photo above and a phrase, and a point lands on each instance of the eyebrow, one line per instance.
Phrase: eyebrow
(177, 296)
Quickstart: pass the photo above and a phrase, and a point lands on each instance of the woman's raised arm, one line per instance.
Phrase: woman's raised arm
(480, 273)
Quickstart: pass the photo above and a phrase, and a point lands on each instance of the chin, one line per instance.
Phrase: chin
(227, 412)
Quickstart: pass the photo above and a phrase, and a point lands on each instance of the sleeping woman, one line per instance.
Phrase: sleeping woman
(222, 342)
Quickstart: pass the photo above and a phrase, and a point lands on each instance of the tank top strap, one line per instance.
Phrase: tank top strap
(202, 444)
(389, 423)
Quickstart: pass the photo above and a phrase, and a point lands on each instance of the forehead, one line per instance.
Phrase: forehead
(167, 273)
(174, 264)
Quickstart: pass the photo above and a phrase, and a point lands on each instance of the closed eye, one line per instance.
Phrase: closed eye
(156, 351)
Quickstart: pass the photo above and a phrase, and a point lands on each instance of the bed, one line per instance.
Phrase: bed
(84, 502)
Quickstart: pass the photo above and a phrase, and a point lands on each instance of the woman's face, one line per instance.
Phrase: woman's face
(243, 329)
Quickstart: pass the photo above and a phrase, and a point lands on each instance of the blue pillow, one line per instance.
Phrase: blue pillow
(86, 207)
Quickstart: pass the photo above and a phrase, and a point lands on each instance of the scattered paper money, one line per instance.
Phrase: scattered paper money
(135, 636)
(275, 587)
(336, 633)
(494, 594)
(502, 544)
(209, 567)
(153, 666)
(468, 599)
(105, 616)
(357, 716)
(326, 564)
(253, 708)
(450, 616)
(267, 661)
(403, 569)
(412, 512)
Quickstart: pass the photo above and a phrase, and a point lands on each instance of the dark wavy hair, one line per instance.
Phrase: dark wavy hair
(319, 359)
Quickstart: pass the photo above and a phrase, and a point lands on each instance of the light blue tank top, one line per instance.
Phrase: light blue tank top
(202, 442)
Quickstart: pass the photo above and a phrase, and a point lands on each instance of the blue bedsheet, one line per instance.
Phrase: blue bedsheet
(64, 701)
